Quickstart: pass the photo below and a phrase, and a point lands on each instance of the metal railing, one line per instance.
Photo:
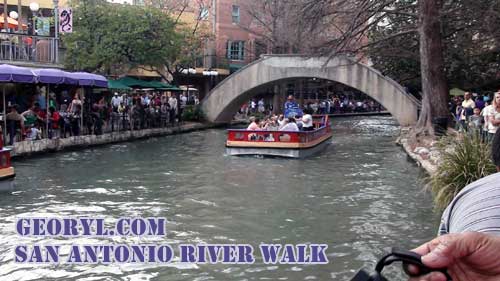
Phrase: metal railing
(28, 48)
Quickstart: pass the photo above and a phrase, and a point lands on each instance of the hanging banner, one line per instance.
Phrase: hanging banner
(65, 20)
(43, 26)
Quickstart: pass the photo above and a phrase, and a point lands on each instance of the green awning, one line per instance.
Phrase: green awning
(142, 84)
(456, 92)
(133, 82)
(117, 85)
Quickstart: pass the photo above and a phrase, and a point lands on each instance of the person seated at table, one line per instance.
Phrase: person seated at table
(32, 115)
(14, 119)
(34, 133)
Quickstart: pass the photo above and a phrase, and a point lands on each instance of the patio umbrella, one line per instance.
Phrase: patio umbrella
(90, 79)
(12, 23)
(54, 76)
(16, 74)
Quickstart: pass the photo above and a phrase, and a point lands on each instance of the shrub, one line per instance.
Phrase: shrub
(192, 113)
(464, 160)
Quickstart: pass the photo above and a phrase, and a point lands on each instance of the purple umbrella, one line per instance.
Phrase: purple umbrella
(10, 73)
(90, 79)
(54, 76)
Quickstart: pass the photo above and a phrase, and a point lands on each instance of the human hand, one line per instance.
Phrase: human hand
(468, 256)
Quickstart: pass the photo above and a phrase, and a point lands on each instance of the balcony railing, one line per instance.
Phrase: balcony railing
(28, 48)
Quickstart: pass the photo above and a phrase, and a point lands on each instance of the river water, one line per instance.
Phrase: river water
(360, 196)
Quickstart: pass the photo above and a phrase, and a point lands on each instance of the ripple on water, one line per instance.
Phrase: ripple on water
(359, 196)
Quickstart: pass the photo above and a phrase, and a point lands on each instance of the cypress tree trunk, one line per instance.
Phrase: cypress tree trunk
(434, 84)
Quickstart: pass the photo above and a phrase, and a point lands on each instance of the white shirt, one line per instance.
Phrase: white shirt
(486, 113)
(116, 100)
(173, 103)
(467, 104)
(492, 129)
(290, 127)
(183, 101)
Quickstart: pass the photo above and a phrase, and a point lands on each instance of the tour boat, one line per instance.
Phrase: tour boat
(7, 173)
(280, 143)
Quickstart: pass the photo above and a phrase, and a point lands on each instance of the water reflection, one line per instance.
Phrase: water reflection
(359, 196)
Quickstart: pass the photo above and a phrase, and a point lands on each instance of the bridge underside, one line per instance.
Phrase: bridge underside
(224, 100)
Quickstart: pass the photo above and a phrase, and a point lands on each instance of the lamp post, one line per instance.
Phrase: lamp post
(188, 71)
(34, 7)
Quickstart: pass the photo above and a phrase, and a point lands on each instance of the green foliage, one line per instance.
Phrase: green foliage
(471, 46)
(192, 113)
(464, 161)
(107, 37)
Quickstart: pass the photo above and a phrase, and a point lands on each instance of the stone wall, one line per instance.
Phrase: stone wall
(26, 148)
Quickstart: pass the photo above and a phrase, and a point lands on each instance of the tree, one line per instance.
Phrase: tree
(110, 38)
(419, 28)
(471, 54)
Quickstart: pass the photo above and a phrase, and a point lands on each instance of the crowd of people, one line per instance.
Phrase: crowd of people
(61, 117)
(334, 104)
(280, 123)
(477, 113)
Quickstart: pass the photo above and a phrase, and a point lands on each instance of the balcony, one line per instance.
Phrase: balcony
(29, 50)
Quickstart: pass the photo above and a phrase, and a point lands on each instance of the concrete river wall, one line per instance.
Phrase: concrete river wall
(28, 147)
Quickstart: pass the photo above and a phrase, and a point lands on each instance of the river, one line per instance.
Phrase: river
(360, 196)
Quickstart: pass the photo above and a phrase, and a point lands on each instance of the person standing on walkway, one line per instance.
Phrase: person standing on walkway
(493, 116)
(183, 102)
(172, 101)
(468, 106)
(13, 120)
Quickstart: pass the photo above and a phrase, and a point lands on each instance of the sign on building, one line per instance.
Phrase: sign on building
(65, 20)
(43, 26)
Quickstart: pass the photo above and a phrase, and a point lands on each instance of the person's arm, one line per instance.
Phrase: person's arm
(469, 256)
(495, 122)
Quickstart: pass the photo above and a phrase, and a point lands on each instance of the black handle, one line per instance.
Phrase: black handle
(411, 258)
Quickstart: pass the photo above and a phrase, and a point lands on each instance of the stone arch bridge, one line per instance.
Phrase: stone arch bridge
(224, 100)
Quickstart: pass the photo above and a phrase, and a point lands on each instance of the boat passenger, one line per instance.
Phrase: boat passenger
(307, 123)
(298, 121)
(281, 121)
(254, 126)
(272, 124)
(291, 126)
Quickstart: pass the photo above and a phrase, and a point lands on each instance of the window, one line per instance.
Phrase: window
(236, 14)
(203, 13)
(236, 50)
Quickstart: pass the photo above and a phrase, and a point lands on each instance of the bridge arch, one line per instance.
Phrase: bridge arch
(225, 99)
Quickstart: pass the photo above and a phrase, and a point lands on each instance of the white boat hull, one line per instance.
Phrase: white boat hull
(279, 152)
